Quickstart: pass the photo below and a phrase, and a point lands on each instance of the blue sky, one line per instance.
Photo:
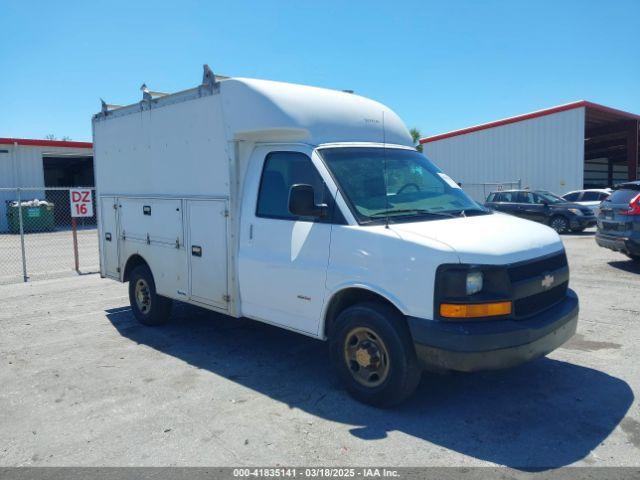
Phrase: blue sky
(440, 65)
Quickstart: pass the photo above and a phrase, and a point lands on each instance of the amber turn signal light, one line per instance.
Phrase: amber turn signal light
(474, 310)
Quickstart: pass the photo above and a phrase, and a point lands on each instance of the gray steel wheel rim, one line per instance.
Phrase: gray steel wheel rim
(143, 296)
(366, 357)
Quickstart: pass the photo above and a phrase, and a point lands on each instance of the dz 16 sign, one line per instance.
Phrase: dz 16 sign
(81, 203)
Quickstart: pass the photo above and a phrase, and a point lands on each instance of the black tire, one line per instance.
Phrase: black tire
(402, 373)
(153, 309)
(559, 223)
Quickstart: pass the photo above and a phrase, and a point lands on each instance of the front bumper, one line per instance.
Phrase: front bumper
(624, 244)
(489, 345)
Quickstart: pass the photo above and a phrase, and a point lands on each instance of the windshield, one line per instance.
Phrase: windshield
(398, 184)
(551, 198)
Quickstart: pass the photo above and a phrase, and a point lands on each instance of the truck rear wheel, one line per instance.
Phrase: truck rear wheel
(372, 351)
(148, 307)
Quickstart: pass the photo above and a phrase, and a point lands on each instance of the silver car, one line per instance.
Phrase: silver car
(591, 198)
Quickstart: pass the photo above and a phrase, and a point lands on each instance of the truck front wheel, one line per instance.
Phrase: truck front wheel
(372, 351)
(148, 307)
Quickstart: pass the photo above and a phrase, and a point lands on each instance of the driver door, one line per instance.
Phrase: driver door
(540, 211)
(528, 208)
(283, 259)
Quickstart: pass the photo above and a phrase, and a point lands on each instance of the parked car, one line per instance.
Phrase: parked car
(591, 198)
(619, 221)
(544, 207)
(277, 202)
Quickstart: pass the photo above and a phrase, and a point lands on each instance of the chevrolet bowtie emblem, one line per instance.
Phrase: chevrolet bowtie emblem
(547, 281)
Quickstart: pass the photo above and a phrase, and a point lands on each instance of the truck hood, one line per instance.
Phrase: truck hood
(486, 239)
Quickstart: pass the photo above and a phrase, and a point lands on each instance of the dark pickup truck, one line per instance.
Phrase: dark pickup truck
(544, 207)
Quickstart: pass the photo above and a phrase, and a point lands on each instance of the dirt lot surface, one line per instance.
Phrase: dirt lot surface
(83, 384)
(47, 255)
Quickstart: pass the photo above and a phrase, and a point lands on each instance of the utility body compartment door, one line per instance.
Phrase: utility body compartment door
(151, 220)
(207, 251)
(109, 237)
(152, 227)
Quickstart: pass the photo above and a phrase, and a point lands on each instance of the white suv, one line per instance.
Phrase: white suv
(591, 198)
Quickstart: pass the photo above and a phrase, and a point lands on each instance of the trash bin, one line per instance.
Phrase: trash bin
(37, 216)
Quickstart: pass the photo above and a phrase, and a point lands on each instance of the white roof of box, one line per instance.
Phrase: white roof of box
(263, 110)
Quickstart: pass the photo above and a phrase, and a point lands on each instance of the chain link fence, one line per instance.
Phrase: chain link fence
(39, 238)
(480, 191)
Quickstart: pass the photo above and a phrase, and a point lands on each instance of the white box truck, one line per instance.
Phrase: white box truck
(310, 209)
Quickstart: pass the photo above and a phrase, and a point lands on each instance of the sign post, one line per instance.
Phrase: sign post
(81, 206)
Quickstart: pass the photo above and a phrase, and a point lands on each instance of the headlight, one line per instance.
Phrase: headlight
(575, 211)
(474, 282)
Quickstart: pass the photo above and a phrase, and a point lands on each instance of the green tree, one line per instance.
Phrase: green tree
(415, 135)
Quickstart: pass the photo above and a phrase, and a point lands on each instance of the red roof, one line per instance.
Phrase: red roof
(45, 143)
(528, 116)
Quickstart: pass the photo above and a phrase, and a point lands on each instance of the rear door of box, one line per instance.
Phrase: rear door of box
(109, 237)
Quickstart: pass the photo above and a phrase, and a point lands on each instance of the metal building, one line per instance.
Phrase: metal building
(568, 147)
(29, 163)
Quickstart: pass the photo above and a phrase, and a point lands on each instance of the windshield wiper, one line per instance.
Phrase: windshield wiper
(419, 211)
(472, 212)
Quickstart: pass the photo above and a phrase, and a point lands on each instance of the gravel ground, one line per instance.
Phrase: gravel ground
(84, 385)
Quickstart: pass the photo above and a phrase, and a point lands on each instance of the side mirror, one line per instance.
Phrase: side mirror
(302, 202)
(545, 203)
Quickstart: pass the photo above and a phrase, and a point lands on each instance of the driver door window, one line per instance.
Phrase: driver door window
(281, 171)
(524, 197)
(538, 208)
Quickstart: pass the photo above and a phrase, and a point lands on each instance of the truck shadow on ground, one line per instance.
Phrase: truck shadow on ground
(626, 265)
(541, 415)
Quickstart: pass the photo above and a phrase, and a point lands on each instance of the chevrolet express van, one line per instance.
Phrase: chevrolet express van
(311, 210)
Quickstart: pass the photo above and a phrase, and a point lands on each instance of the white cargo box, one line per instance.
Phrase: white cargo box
(170, 171)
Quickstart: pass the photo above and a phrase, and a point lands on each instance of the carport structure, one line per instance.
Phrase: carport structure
(611, 147)
(41, 166)
(568, 147)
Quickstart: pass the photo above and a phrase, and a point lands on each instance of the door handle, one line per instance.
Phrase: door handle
(107, 237)
(196, 250)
